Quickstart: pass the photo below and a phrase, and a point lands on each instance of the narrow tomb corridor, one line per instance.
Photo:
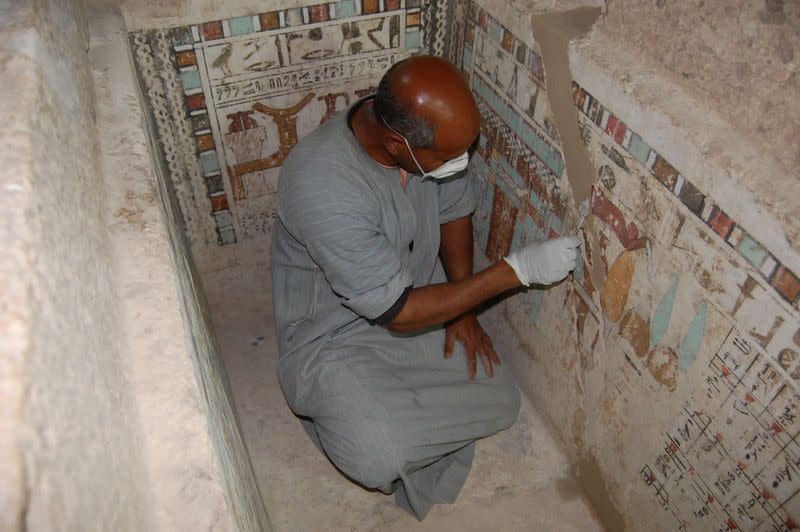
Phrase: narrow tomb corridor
(521, 479)
(660, 380)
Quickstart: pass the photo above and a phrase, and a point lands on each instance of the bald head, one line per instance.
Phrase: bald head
(426, 100)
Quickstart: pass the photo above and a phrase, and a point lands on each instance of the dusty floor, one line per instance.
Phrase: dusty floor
(520, 479)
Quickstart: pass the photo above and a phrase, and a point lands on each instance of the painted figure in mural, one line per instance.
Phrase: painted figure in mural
(374, 288)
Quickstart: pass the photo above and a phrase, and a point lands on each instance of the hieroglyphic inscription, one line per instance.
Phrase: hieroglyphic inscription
(306, 78)
(274, 50)
(732, 460)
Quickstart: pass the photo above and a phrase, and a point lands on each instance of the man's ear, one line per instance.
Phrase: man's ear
(395, 145)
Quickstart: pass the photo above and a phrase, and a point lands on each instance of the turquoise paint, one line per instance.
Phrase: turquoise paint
(551, 158)
(478, 164)
(209, 161)
(412, 39)
(752, 251)
(555, 222)
(190, 80)
(639, 148)
(241, 25)
(223, 218)
(536, 201)
(522, 233)
(690, 346)
(663, 312)
(346, 9)
(495, 31)
(547, 154)
(467, 59)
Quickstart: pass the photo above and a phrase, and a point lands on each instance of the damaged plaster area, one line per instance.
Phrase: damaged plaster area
(553, 32)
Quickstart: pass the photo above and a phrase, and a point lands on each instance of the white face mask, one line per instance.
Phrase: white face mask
(449, 168)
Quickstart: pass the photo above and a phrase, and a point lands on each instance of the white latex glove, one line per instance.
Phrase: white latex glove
(546, 261)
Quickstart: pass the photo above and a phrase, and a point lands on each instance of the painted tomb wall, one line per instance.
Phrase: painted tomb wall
(670, 361)
(241, 91)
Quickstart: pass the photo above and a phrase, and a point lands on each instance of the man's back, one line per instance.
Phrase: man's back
(349, 239)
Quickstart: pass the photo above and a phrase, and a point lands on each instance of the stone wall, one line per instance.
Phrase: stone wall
(670, 363)
(71, 444)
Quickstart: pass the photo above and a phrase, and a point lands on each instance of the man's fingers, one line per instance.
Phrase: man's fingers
(473, 363)
(487, 362)
(449, 341)
(492, 353)
(487, 340)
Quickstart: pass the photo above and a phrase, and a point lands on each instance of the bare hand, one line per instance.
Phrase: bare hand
(477, 343)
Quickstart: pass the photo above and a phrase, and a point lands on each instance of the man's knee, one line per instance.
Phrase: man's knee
(512, 410)
(508, 404)
(363, 451)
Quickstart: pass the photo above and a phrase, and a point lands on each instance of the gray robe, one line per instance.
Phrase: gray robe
(388, 410)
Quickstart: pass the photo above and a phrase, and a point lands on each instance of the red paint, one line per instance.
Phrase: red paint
(718, 437)
(627, 233)
(392, 5)
(534, 215)
(330, 104)
(673, 447)
(665, 172)
(552, 233)
(766, 493)
(732, 524)
(776, 428)
(790, 524)
(483, 21)
(711, 499)
(620, 133)
(749, 398)
(319, 13)
(212, 30)
(241, 121)
(725, 371)
(366, 92)
(270, 21)
(786, 283)
(611, 126)
(219, 203)
(196, 101)
(720, 223)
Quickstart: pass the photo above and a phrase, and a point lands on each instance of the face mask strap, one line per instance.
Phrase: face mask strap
(423, 172)
(407, 144)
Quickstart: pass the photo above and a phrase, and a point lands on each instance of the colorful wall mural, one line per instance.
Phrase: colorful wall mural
(232, 97)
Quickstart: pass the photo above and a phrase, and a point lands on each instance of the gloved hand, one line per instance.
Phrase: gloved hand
(546, 261)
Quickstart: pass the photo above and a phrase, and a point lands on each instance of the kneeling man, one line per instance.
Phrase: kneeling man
(373, 289)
